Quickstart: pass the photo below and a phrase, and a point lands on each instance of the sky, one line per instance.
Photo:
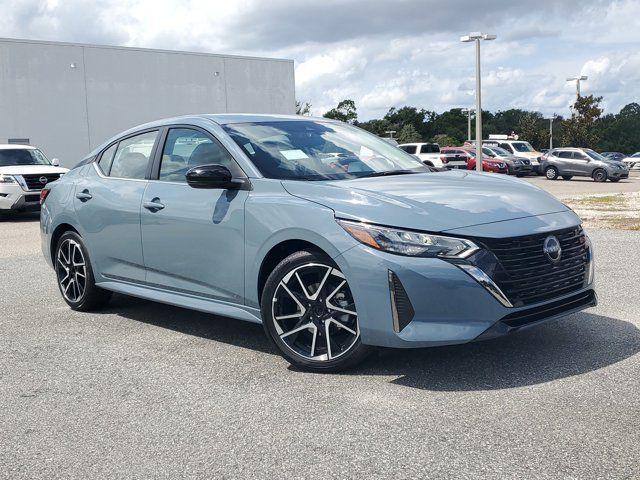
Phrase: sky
(380, 53)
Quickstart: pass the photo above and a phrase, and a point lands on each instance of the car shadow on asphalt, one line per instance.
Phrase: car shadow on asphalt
(579, 344)
(18, 217)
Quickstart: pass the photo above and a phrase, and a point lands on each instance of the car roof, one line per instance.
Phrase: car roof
(12, 146)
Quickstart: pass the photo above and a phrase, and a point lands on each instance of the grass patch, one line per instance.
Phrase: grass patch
(603, 199)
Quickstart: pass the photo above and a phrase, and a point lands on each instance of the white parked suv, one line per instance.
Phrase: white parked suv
(428, 153)
(24, 170)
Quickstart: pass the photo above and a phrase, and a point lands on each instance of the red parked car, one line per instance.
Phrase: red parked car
(488, 164)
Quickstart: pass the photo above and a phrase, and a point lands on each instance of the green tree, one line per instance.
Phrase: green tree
(345, 112)
(408, 134)
(398, 118)
(377, 126)
(621, 132)
(531, 127)
(303, 108)
(579, 130)
(444, 140)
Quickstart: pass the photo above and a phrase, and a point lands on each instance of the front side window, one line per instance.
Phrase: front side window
(22, 156)
(186, 148)
(412, 149)
(594, 155)
(132, 156)
(315, 150)
(430, 148)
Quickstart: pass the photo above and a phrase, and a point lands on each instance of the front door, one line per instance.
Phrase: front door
(193, 239)
(107, 202)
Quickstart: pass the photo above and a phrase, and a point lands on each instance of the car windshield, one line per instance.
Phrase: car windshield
(315, 150)
(22, 156)
(522, 146)
(636, 155)
(594, 155)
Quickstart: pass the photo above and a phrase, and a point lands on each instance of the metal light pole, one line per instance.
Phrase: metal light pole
(553, 117)
(468, 111)
(476, 37)
(390, 133)
(579, 79)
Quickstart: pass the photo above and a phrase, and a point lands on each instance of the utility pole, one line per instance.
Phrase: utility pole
(551, 131)
(468, 111)
(476, 37)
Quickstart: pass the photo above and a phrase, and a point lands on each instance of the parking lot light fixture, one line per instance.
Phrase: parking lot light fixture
(476, 37)
(577, 79)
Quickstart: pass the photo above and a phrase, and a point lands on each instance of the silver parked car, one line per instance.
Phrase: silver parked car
(581, 162)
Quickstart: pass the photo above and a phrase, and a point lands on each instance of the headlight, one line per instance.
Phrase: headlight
(7, 179)
(405, 242)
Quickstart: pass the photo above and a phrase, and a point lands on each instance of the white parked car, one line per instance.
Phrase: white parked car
(24, 170)
(632, 161)
(519, 148)
(428, 153)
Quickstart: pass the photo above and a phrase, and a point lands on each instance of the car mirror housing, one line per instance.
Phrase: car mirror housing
(215, 176)
(55, 162)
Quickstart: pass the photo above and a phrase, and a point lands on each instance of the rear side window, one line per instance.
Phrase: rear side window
(507, 147)
(106, 158)
(132, 156)
(429, 148)
(563, 154)
(409, 148)
(186, 148)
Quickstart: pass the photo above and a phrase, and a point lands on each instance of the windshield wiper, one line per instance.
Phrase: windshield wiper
(388, 173)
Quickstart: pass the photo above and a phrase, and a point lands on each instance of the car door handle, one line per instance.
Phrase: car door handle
(84, 195)
(154, 205)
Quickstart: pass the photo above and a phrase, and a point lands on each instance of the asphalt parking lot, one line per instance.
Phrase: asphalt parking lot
(144, 390)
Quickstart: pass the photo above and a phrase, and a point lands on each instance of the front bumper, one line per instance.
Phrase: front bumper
(13, 197)
(520, 169)
(448, 305)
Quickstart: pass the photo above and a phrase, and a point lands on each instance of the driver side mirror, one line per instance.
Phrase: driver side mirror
(55, 162)
(215, 176)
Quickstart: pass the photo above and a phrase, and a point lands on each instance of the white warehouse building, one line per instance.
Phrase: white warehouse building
(69, 98)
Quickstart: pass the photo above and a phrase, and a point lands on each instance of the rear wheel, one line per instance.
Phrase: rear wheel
(600, 175)
(309, 313)
(567, 177)
(551, 173)
(75, 276)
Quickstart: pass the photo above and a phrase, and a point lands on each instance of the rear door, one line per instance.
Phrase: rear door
(193, 239)
(107, 202)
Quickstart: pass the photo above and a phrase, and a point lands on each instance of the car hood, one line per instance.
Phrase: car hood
(31, 169)
(432, 202)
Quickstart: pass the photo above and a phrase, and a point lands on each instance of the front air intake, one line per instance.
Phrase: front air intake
(402, 311)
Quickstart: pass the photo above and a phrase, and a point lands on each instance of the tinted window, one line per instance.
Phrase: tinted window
(507, 147)
(186, 148)
(105, 159)
(132, 156)
(409, 148)
(578, 156)
(430, 148)
(563, 154)
(522, 146)
(316, 150)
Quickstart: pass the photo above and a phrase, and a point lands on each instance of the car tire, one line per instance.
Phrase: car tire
(599, 175)
(551, 173)
(302, 292)
(75, 275)
(567, 177)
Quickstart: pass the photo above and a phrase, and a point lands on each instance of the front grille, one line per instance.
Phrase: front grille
(542, 312)
(526, 162)
(528, 276)
(34, 182)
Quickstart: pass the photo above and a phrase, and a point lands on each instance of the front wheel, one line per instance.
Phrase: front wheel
(309, 313)
(551, 173)
(75, 276)
(600, 175)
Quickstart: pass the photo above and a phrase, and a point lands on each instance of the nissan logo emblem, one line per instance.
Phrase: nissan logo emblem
(552, 249)
(43, 180)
